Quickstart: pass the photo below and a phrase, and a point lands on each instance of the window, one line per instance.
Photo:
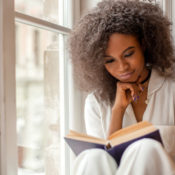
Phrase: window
(34, 82)
(46, 10)
(35, 99)
(38, 100)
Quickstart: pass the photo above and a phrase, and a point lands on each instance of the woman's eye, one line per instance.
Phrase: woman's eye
(129, 54)
(109, 61)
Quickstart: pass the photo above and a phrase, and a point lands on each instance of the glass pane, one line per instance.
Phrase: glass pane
(44, 9)
(37, 89)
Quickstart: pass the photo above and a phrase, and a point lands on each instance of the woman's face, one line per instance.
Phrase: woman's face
(124, 58)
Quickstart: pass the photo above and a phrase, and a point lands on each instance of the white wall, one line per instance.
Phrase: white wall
(87, 4)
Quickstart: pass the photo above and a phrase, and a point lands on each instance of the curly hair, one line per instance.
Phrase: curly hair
(89, 38)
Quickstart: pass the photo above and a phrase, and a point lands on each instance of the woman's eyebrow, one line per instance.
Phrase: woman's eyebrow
(106, 56)
(131, 47)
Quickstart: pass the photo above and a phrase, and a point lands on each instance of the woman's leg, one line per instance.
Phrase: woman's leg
(94, 162)
(146, 157)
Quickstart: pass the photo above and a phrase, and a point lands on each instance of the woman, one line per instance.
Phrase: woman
(123, 56)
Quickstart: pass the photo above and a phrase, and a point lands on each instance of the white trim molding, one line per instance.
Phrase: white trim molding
(32, 21)
(8, 147)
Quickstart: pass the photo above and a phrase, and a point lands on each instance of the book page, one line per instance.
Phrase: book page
(84, 137)
(130, 129)
(132, 135)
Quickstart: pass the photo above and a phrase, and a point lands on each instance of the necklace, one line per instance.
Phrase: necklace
(146, 79)
(145, 88)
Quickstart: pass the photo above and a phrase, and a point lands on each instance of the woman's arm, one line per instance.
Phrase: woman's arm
(126, 92)
(116, 120)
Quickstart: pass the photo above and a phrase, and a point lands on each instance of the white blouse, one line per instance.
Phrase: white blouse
(160, 111)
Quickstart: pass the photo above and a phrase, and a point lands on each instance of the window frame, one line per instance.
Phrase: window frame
(8, 139)
(8, 134)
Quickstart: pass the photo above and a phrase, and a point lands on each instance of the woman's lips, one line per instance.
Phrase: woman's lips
(126, 76)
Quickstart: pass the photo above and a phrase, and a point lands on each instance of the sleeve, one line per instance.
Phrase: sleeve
(168, 137)
(93, 117)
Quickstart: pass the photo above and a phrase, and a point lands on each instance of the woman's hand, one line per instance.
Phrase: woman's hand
(126, 93)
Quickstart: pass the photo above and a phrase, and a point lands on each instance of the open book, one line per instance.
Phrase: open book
(117, 142)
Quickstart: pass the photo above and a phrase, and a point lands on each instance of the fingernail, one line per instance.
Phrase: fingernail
(133, 97)
(137, 97)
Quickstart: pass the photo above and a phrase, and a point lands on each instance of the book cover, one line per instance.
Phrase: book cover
(116, 151)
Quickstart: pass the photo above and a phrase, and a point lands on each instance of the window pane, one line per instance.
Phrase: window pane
(38, 120)
(47, 9)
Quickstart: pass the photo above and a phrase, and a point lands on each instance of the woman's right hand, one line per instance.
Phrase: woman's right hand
(125, 94)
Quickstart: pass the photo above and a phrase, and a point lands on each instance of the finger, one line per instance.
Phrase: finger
(131, 90)
(133, 99)
(137, 91)
(126, 86)
(141, 87)
(130, 100)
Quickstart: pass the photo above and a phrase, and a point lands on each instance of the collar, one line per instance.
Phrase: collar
(156, 82)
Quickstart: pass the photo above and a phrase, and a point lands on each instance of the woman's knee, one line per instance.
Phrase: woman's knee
(94, 160)
(144, 156)
(95, 155)
(144, 148)
(146, 144)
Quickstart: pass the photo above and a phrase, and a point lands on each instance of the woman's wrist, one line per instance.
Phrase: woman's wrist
(117, 114)
(116, 121)
(116, 118)
(117, 108)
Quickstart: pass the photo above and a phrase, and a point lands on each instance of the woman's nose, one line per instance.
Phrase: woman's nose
(123, 65)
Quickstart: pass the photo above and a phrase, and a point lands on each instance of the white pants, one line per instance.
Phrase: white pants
(144, 157)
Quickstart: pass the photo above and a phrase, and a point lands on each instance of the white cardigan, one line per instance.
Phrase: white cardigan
(160, 111)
